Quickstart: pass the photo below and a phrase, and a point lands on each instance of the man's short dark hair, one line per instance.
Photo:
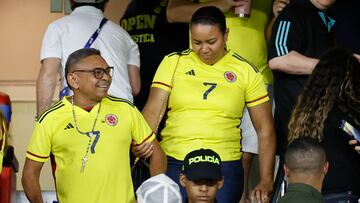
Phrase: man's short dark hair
(100, 6)
(75, 57)
(305, 155)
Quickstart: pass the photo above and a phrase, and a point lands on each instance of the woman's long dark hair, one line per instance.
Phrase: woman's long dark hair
(335, 81)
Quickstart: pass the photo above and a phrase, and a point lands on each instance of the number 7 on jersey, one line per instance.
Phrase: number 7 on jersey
(207, 92)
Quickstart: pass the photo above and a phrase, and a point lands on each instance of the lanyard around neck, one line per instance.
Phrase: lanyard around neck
(95, 34)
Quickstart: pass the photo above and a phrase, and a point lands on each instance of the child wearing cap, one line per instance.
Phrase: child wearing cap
(201, 176)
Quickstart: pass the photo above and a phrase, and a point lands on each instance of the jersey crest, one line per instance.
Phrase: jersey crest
(111, 119)
(230, 76)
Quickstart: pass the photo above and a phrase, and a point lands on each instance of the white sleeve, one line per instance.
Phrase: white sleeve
(134, 55)
(51, 43)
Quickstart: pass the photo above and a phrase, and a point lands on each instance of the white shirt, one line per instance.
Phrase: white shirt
(71, 33)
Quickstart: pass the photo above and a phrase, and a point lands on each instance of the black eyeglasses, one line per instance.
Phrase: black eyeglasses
(99, 72)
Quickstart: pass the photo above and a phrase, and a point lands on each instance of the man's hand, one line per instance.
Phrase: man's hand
(143, 150)
(354, 142)
(261, 193)
(226, 5)
(278, 6)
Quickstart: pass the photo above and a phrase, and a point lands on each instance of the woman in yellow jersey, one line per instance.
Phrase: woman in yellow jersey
(205, 90)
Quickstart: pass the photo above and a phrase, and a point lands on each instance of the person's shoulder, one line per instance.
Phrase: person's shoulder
(60, 22)
(116, 101)
(180, 53)
(52, 112)
(294, 10)
(115, 25)
(243, 63)
(117, 31)
(176, 56)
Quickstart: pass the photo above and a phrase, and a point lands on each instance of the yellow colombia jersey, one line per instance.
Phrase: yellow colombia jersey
(247, 35)
(106, 177)
(206, 103)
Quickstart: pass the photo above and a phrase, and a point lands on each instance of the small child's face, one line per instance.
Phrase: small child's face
(201, 191)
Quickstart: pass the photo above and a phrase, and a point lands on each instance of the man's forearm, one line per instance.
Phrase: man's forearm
(46, 83)
(44, 93)
(158, 161)
(33, 193)
(30, 181)
(293, 63)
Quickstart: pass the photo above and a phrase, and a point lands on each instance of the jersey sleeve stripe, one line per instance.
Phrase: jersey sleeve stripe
(148, 137)
(116, 99)
(49, 109)
(246, 61)
(37, 156)
(59, 105)
(160, 83)
(257, 99)
(182, 53)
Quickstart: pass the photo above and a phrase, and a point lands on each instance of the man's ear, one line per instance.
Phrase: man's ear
(326, 167)
(73, 80)
(182, 179)
(286, 170)
(220, 183)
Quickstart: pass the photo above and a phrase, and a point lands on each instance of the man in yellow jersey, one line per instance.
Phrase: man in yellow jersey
(89, 135)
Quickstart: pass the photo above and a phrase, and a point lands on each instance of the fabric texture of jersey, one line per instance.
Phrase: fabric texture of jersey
(299, 27)
(146, 23)
(71, 33)
(206, 102)
(301, 193)
(106, 176)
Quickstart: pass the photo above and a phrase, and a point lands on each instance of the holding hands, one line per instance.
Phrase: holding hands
(143, 150)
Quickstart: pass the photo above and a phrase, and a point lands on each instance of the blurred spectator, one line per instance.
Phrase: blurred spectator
(331, 97)
(301, 33)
